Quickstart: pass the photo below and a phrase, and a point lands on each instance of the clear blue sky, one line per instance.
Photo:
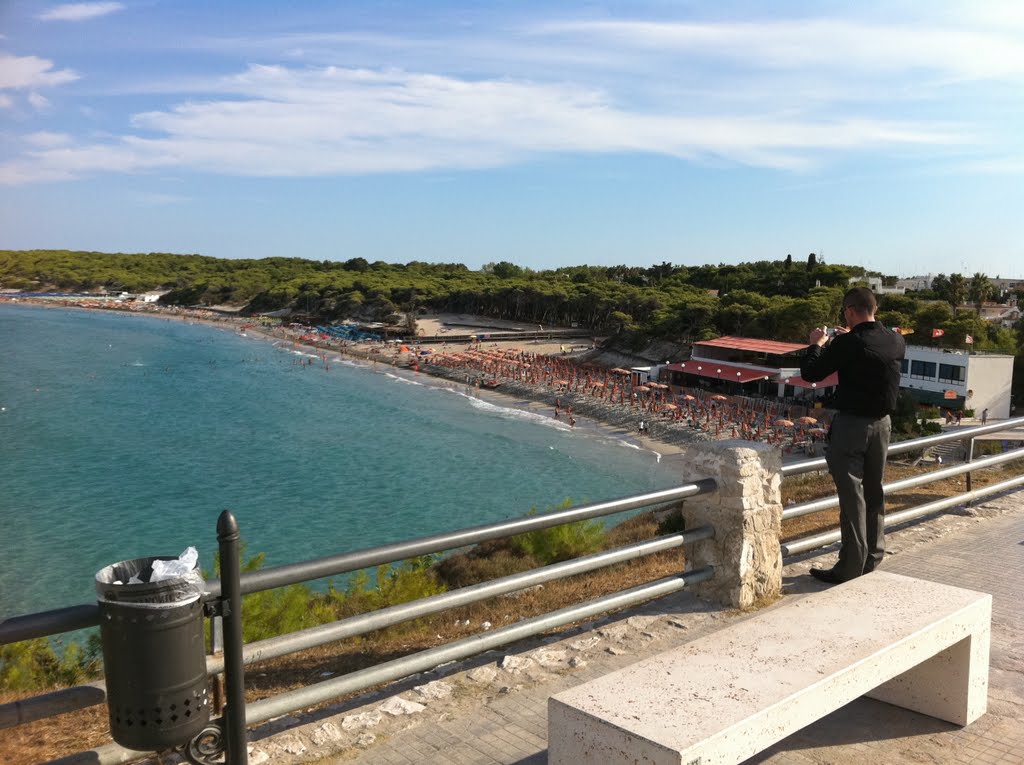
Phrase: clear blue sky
(886, 134)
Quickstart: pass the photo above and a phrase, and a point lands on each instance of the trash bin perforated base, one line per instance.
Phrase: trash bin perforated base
(155, 665)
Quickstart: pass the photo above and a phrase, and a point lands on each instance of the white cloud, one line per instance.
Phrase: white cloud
(79, 11)
(31, 72)
(5, 101)
(46, 139)
(155, 199)
(809, 44)
(790, 94)
(333, 121)
(38, 102)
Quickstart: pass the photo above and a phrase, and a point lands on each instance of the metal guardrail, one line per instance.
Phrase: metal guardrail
(45, 623)
(60, 620)
(826, 503)
(816, 541)
(917, 444)
(893, 519)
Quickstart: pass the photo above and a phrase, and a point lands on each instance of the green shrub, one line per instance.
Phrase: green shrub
(563, 542)
(33, 664)
(274, 612)
(410, 580)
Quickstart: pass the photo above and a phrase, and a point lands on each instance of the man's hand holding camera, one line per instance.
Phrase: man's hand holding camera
(821, 335)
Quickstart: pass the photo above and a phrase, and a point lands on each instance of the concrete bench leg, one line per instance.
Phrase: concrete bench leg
(952, 685)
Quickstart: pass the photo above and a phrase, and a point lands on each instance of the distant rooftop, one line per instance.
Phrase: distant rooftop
(751, 344)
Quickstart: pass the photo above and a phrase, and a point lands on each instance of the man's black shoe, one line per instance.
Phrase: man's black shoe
(826, 575)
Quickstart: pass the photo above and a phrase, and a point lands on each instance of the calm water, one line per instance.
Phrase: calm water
(124, 436)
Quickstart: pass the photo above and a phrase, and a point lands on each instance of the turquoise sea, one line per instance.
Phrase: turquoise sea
(123, 436)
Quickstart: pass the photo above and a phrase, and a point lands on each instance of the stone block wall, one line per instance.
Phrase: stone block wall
(746, 513)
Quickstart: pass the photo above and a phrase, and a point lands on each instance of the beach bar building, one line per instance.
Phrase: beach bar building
(748, 366)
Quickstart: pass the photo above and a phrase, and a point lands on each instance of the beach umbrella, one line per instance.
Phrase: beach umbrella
(688, 397)
(784, 423)
(719, 397)
(818, 431)
(806, 420)
(671, 406)
(642, 388)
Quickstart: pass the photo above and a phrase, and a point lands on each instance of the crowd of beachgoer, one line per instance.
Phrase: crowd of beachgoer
(619, 395)
(616, 396)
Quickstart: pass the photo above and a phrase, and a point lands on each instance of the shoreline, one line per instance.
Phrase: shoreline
(510, 393)
(522, 397)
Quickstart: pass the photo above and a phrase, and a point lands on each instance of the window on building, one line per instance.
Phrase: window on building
(922, 370)
(951, 373)
(904, 366)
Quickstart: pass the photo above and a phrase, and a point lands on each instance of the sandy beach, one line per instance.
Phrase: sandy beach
(585, 395)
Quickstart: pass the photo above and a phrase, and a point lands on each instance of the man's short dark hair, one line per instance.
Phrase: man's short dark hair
(861, 299)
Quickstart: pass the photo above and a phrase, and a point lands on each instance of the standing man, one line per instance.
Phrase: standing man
(867, 357)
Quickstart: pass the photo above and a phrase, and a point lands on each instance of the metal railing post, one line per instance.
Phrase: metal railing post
(217, 650)
(231, 607)
(970, 458)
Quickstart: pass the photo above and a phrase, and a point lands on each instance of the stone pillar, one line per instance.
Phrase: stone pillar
(746, 513)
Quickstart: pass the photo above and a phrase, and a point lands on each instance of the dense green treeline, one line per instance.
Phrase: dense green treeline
(770, 299)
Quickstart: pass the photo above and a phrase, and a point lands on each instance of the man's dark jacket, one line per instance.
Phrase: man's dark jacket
(867, 359)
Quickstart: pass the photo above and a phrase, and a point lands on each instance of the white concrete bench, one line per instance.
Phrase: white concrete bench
(729, 695)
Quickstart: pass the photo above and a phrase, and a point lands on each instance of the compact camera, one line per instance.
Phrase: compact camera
(830, 331)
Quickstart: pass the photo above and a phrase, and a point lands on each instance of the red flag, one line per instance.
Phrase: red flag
(968, 339)
(938, 332)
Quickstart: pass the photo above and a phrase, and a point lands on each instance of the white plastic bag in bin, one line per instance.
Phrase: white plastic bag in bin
(154, 581)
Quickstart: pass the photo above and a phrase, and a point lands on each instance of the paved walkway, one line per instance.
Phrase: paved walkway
(494, 711)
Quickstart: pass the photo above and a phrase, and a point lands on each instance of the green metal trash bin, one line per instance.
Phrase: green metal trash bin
(153, 655)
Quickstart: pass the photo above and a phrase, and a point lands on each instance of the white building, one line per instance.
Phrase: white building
(957, 379)
(915, 283)
(944, 377)
(874, 283)
(1005, 315)
(1006, 285)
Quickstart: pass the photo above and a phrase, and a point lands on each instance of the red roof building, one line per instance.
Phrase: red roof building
(748, 366)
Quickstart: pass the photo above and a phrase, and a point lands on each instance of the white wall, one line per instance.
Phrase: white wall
(988, 385)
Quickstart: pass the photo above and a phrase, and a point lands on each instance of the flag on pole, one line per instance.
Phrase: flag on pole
(969, 339)
(938, 333)
(903, 330)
